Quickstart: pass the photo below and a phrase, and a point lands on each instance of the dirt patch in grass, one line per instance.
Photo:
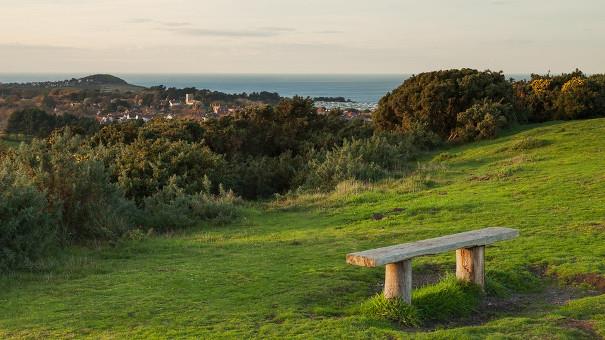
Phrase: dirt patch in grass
(481, 178)
(593, 280)
(583, 325)
(552, 297)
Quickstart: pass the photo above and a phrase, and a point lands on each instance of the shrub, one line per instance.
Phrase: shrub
(581, 98)
(28, 224)
(566, 96)
(258, 177)
(38, 123)
(433, 100)
(144, 167)
(89, 205)
(482, 121)
(171, 208)
(361, 159)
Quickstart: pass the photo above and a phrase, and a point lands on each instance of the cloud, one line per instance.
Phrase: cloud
(203, 32)
(138, 21)
(188, 29)
(278, 29)
(329, 32)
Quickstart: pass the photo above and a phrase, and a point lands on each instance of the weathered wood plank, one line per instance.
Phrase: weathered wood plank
(401, 252)
(470, 265)
(398, 281)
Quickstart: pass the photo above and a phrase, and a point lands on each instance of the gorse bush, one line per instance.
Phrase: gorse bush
(258, 177)
(89, 205)
(171, 208)
(144, 167)
(433, 100)
(28, 222)
(363, 159)
(483, 121)
(566, 96)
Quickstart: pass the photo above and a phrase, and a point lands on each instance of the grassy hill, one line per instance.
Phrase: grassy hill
(280, 271)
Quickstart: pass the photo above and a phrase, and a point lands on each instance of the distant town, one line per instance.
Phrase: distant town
(110, 99)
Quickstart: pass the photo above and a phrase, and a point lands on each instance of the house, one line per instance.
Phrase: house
(190, 101)
(175, 103)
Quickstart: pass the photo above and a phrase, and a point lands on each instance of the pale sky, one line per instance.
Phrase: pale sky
(300, 36)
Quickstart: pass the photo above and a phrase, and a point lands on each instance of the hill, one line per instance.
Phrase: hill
(280, 272)
(103, 79)
(104, 82)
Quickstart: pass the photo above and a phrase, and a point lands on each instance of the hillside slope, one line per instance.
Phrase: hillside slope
(280, 271)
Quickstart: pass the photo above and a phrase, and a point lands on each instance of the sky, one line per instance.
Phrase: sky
(300, 36)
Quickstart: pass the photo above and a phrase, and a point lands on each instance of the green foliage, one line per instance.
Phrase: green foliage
(483, 121)
(172, 208)
(565, 96)
(257, 152)
(32, 122)
(258, 177)
(362, 159)
(28, 222)
(395, 310)
(433, 100)
(89, 205)
(144, 167)
(38, 123)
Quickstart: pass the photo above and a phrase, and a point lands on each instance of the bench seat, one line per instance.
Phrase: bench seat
(401, 252)
(469, 246)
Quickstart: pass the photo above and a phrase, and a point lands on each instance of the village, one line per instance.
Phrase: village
(190, 108)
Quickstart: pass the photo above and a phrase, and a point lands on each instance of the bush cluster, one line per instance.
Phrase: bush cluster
(433, 100)
(37, 123)
(465, 105)
(60, 191)
(483, 121)
(565, 96)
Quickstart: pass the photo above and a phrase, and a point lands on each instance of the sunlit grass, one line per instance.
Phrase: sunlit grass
(280, 271)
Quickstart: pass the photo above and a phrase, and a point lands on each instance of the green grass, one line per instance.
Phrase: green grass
(280, 272)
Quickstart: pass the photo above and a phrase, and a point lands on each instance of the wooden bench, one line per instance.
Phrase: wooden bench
(469, 246)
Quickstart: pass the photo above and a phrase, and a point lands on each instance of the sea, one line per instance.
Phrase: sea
(364, 88)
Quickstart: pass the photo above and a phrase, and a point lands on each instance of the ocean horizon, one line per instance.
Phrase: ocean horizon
(362, 88)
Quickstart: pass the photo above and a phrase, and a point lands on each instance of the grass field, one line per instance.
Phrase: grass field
(280, 271)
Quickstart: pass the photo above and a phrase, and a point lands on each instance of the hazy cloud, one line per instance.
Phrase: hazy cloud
(329, 32)
(159, 22)
(187, 28)
(203, 32)
(278, 29)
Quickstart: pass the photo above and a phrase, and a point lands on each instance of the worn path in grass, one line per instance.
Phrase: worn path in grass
(281, 272)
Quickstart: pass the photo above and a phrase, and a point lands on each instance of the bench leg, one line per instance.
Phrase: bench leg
(398, 281)
(470, 265)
